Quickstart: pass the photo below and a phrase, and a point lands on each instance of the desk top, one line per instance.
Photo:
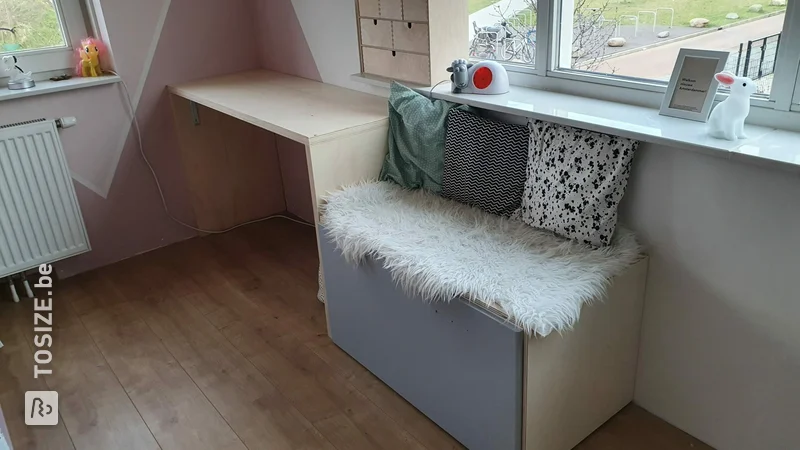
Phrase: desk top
(297, 108)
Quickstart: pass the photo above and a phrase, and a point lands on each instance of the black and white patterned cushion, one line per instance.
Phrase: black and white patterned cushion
(575, 181)
(484, 162)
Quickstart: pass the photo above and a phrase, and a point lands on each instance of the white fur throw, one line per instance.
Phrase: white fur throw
(440, 249)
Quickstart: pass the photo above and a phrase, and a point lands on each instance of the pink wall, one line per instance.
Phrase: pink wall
(312, 39)
(156, 43)
(200, 38)
(283, 45)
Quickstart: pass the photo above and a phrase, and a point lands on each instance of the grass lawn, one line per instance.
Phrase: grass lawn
(36, 24)
(476, 5)
(685, 10)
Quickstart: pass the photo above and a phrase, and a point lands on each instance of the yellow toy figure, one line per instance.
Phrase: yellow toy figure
(89, 65)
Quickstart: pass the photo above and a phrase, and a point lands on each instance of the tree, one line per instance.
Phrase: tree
(591, 32)
(35, 23)
(590, 29)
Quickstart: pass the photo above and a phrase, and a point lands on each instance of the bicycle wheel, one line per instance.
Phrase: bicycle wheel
(510, 49)
(490, 52)
(483, 50)
(473, 48)
(473, 51)
(528, 53)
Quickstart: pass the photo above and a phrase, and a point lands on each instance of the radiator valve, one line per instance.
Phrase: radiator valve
(66, 122)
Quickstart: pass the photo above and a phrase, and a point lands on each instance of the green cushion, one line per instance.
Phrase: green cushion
(416, 139)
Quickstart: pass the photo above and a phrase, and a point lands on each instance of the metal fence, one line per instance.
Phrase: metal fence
(756, 60)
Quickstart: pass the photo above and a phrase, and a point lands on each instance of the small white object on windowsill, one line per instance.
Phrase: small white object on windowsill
(727, 119)
(485, 77)
(17, 78)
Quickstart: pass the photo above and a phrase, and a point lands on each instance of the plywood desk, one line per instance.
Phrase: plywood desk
(258, 143)
(343, 133)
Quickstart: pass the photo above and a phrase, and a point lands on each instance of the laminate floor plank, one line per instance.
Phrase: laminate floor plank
(278, 279)
(247, 296)
(295, 369)
(227, 298)
(633, 428)
(16, 377)
(249, 402)
(173, 407)
(95, 408)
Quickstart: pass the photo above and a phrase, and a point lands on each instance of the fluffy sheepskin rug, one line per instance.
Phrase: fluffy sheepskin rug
(440, 249)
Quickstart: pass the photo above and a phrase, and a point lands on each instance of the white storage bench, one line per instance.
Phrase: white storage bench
(468, 365)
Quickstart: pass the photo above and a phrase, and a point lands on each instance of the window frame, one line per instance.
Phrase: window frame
(75, 26)
(545, 74)
(791, 52)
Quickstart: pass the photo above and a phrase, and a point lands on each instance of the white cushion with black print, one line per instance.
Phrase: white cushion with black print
(575, 181)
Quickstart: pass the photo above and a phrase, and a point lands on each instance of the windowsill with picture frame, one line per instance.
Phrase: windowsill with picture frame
(633, 116)
(765, 146)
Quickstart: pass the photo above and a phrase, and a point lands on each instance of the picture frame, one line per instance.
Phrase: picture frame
(692, 86)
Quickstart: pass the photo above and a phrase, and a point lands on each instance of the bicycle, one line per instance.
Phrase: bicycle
(483, 50)
(521, 45)
(487, 40)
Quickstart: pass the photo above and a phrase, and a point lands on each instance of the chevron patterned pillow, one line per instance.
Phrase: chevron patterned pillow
(484, 162)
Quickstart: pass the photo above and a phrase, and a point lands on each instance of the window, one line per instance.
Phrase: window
(41, 33)
(638, 39)
(498, 31)
(633, 44)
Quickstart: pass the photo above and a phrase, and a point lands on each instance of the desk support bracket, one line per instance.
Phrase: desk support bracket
(195, 113)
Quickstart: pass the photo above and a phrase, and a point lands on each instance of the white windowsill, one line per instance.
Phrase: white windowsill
(49, 87)
(765, 146)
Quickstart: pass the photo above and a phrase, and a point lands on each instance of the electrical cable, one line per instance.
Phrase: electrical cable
(158, 183)
(430, 94)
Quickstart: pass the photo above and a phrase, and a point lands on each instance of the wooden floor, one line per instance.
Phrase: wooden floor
(219, 343)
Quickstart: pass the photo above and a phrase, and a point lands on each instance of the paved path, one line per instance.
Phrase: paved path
(489, 16)
(647, 36)
(657, 63)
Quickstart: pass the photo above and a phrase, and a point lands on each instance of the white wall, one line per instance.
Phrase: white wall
(720, 351)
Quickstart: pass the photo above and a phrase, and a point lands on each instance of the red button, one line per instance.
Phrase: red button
(482, 78)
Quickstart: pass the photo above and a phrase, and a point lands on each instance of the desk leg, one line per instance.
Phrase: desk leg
(342, 161)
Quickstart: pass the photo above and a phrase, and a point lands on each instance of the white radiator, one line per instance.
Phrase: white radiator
(40, 221)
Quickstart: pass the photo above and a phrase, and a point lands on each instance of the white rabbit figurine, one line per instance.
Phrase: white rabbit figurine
(727, 119)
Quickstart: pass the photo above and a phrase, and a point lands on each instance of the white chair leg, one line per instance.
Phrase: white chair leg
(28, 290)
(13, 290)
